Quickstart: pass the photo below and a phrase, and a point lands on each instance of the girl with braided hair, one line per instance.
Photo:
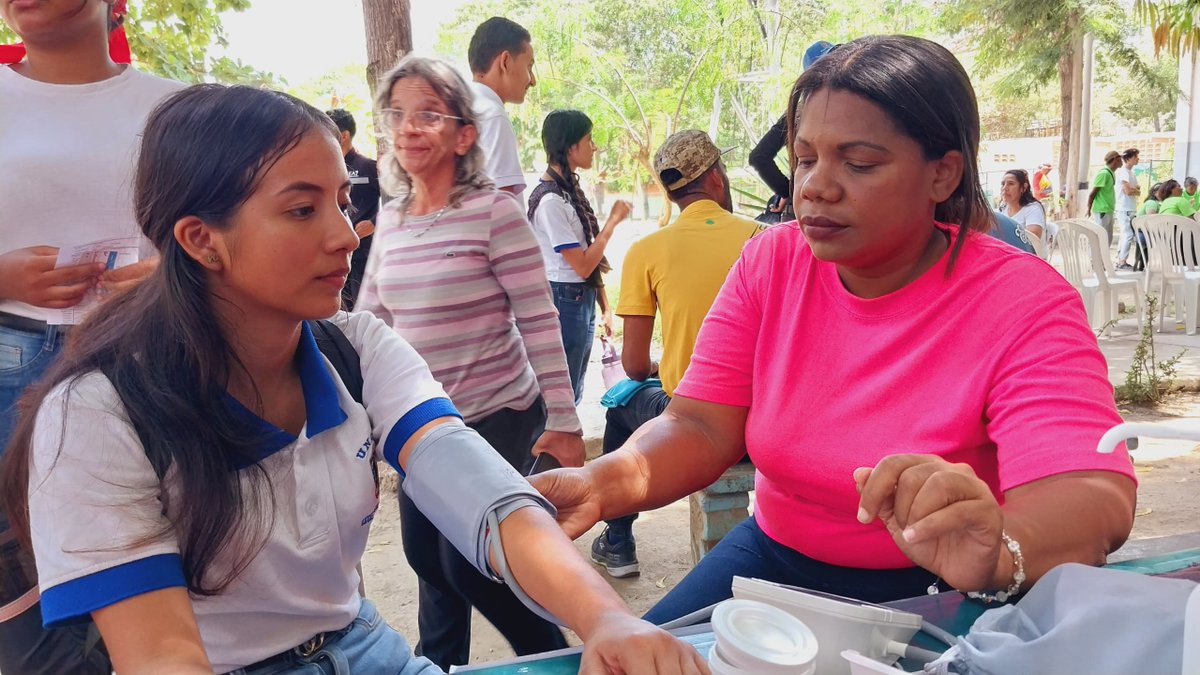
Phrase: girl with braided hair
(570, 237)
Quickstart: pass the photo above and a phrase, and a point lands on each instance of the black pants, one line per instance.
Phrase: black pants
(619, 425)
(28, 649)
(449, 585)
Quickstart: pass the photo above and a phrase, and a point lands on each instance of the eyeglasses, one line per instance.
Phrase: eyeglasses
(392, 119)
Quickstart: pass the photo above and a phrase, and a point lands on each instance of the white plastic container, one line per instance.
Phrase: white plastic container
(861, 665)
(753, 638)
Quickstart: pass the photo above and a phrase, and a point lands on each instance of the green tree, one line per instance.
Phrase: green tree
(1025, 45)
(1175, 24)
(172, 38)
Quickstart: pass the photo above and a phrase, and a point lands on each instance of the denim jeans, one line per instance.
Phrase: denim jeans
(619, 425)
(576, 304)
(26, 647)
(748, 552)
(368, 646)
(1125, 220)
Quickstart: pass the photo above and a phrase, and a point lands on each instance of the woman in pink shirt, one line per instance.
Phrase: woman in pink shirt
(922, 403)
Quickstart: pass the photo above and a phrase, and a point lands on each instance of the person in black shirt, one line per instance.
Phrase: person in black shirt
(364, 194)
(762, 157)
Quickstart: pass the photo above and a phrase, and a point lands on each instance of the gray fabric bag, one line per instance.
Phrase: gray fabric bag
(1078, 619)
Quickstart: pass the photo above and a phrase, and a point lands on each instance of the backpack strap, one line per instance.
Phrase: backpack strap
(544, 187)
(337, 348)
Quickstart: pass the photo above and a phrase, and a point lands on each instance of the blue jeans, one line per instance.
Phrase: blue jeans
(619, 425)
(368, 646)
(748, 552)
(576, 304)
(26, 647)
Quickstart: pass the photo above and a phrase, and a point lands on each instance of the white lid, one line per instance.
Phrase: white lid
(762, 639)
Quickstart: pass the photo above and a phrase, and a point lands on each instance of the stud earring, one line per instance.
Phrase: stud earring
(213, 259)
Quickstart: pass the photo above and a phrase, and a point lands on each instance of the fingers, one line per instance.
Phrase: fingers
(956, 516)
(69, 275)
(878, 485)
(61, 297)
(364, 229)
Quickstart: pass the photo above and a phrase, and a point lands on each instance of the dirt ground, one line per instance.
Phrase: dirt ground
(1169, 503)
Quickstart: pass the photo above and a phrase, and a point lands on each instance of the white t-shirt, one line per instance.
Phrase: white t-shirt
(1125, 202)
(497, 138)
(558, 228)
(68, 152)
(1031, 214)
(94, 498)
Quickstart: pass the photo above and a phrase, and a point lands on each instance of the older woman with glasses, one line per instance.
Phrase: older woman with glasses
(457, 272)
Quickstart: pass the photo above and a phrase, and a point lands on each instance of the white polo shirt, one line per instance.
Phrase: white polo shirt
(1126, 202)
(94, 498)
(497, 138)
(558, 228)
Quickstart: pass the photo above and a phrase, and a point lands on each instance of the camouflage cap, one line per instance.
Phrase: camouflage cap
(684, 157)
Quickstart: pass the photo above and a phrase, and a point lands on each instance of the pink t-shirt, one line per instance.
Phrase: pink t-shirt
(994, 366)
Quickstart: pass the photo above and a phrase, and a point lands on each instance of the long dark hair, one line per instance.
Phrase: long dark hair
(203, 153)
(1022, 177)
(1168, 186)
(926, 92)
(561, 130)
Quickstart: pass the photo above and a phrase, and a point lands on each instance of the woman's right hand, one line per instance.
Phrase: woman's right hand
(570, 490)
(620, 211)
(623, 644)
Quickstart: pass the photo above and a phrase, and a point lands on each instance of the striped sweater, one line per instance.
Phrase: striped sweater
(468, 291)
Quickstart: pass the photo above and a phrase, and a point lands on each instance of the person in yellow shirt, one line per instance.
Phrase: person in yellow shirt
(674, 272)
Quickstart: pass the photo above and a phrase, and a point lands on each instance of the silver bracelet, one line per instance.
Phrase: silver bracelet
(1018, 574)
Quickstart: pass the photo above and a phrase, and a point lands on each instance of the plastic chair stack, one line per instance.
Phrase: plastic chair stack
(1083, 264)
(1171, 264)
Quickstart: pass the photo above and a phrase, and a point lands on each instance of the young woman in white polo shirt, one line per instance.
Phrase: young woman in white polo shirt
(195, 476)
(571, 239)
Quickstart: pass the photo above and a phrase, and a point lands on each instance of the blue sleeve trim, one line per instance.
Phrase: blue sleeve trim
(414, 419)
(74, 601)
(560, 249)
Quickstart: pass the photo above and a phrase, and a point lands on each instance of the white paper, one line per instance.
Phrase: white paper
(115, 252)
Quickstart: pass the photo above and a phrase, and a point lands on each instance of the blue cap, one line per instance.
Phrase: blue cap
(816, 51)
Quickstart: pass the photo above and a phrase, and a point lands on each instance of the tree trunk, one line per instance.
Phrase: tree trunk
(1070, 66)
(389, 36)
(1070, 170)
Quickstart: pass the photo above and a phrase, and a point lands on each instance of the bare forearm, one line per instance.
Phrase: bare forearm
(550, 570)
(666, 459)
(1079, 517)
(585, 263)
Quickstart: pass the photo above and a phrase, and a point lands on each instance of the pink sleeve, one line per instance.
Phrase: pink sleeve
(1050, 400)
(722, 366)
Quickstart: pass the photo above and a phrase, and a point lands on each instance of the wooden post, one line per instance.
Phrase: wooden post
(389, 36)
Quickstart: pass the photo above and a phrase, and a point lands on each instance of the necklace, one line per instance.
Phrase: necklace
(425, 229)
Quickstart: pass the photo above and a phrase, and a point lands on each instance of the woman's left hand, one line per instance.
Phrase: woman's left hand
(606, 322)
(625, 645)
(566, 448)
(941, 515)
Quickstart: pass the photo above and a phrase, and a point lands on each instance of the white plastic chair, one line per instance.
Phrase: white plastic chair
(1039, 246)
(1083, 266)
(1170, 265)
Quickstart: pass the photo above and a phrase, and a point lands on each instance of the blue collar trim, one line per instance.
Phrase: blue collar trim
(322, 409)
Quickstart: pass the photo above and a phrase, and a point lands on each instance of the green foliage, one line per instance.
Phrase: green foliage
(171, 38)
(1175, 24)
(1148, 380)
(344, 87)
(1149, 106)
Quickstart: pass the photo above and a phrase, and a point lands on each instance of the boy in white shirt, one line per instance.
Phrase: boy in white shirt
(1127, 191)
(501, 58)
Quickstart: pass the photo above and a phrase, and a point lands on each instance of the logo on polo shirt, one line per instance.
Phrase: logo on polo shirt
(365, 450)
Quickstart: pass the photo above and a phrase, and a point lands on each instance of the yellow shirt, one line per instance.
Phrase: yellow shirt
(677, 272)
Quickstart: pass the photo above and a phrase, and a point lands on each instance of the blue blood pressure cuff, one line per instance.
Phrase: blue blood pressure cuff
(459, 481)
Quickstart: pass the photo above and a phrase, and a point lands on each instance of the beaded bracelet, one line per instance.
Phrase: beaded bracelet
(1018, 574)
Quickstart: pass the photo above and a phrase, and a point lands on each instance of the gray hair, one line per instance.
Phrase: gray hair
(469, 173)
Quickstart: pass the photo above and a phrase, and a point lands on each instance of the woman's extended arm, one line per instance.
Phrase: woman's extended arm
(681, 451)
(153, 633)
(762, 158)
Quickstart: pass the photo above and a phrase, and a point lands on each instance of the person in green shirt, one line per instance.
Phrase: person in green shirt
(1150, 206)
(1102, 201)
(1174, 203)
(1189, 190)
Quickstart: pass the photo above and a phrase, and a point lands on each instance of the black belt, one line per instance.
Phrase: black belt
(306, 650)
(22, 323)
